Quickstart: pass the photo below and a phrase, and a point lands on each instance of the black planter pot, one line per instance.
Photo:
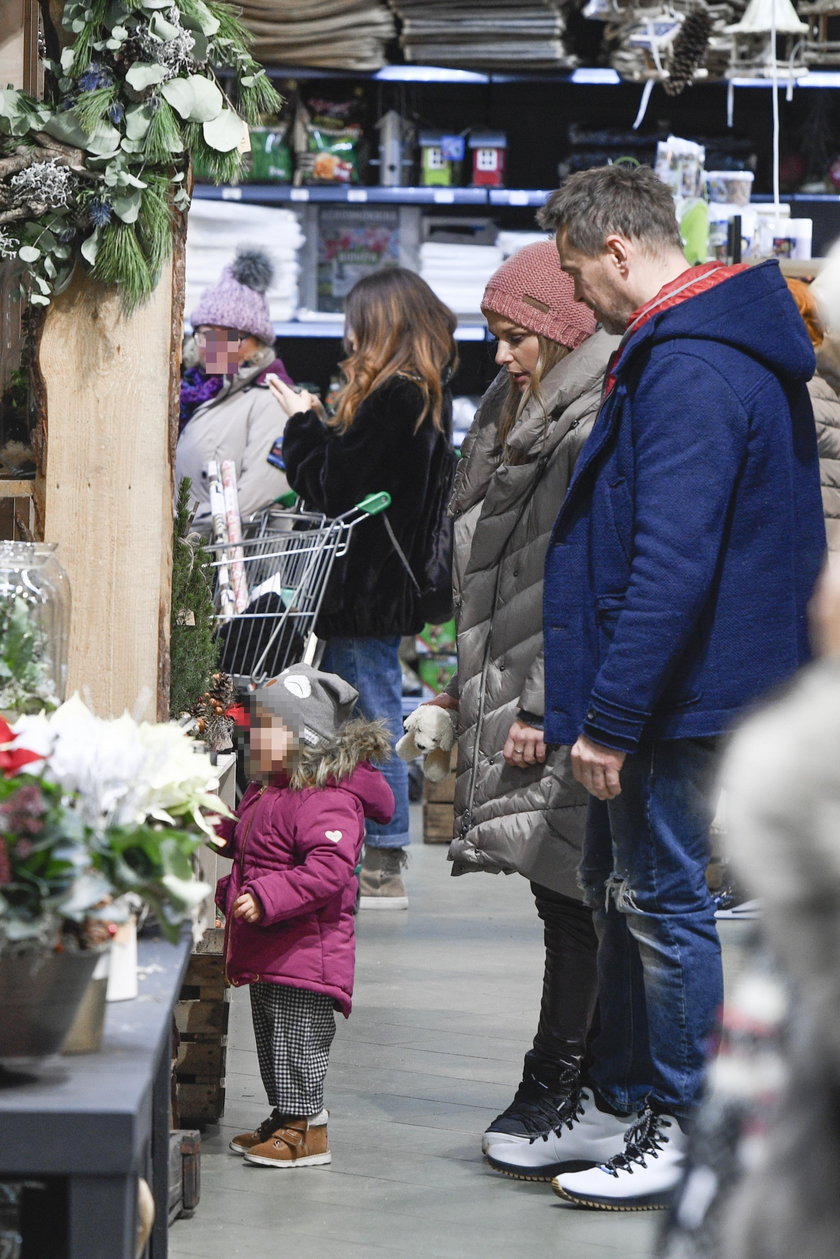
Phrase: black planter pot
(40, 993)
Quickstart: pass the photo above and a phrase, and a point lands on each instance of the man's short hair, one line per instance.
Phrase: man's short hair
(628, 201)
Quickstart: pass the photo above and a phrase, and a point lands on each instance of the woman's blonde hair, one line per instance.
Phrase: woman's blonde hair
(398, 327)
(808, 309)
(551, 352)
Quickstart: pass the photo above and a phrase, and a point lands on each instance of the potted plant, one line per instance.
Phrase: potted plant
(90, 810)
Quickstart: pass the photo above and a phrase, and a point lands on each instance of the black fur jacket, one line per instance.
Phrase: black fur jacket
(370, 594)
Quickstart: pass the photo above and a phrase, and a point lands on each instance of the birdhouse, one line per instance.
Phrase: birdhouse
(767, 38)
(822, 44)
(488, 150)
(440, 159)
(395, 145)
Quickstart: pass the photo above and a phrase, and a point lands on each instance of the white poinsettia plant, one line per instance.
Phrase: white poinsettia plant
(92, 809)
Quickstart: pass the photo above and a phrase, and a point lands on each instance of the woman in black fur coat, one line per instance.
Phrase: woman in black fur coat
(391, 431)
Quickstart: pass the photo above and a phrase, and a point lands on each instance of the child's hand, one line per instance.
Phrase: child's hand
(248, 907)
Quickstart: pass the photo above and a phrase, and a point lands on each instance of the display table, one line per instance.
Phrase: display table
(95, 1122)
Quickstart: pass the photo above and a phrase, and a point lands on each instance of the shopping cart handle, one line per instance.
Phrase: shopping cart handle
(287, 500)
(374, 503)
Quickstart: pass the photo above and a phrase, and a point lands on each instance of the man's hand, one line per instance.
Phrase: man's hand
(248, 907)
(597, 768)
(525, 745)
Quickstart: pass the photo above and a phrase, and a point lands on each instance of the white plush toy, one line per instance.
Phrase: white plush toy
(430, 733)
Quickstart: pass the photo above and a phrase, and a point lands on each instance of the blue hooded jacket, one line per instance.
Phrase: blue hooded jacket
(689, 541)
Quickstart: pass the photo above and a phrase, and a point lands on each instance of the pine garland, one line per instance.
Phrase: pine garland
(193, 647)
(138, 100)
(120, 260)
(163, 139)
(154, 222)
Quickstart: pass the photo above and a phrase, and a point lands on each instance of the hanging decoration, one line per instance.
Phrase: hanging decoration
(96, 172)
(688, 51)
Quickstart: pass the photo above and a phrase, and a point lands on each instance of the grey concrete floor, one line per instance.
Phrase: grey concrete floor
(445, 1006)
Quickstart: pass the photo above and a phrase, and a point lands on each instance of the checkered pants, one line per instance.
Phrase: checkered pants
(294, 1029)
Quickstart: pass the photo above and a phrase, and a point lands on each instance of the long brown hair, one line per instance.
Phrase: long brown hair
(398, 327)
(551, 352)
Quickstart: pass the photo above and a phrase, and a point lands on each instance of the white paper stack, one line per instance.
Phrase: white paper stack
(511, 242)
(216, 228)
(459, 273)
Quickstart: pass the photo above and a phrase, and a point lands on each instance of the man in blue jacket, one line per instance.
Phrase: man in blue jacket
(676, 586)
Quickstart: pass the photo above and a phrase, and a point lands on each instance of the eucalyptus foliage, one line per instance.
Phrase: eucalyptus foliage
(97, 172)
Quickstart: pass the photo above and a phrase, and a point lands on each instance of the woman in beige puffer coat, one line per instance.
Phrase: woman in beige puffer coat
(826, 404)
(518, 808)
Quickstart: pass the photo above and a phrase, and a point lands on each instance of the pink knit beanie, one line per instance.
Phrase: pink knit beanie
(238, 298)
(532, 290)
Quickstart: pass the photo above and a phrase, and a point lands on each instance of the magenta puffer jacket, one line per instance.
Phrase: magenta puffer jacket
(296, 851)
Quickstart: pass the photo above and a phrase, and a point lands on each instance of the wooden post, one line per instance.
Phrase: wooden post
(109, 381)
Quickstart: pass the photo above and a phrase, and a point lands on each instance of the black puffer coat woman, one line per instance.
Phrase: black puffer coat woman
(390, 431)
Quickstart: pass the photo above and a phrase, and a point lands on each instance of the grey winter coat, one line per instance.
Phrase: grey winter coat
(530, 819)
(241, 423)
(826, 406)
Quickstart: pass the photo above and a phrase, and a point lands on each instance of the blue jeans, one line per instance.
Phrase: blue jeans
(372, 665)
(660, 980)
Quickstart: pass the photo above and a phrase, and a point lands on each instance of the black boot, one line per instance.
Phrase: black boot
(551, 1071)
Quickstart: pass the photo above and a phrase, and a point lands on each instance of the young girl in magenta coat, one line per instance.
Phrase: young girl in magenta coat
(289, 900)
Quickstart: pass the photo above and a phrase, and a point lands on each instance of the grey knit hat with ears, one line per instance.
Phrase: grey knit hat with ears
(238, 298)
(314, 705)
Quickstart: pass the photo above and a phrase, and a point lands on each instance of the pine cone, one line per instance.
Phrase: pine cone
(688, 49)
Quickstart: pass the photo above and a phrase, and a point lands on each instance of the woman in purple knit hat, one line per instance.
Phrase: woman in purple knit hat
(227, 411)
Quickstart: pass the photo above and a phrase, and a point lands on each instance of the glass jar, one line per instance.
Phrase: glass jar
(34, 627)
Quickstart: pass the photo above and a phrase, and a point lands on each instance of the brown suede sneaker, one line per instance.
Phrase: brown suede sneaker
(247, 1140)
(298, 1143)
(381, 883)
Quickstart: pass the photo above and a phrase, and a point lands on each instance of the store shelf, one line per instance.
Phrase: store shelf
(518, 196)
(319, 328)
(340, 194)
(284, 194)
(586, 76)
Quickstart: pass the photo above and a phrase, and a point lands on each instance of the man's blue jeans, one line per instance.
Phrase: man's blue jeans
(660, 981)
(372, 665)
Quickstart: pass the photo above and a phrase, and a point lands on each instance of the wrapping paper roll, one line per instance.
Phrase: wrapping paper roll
(227, 603)
(233, 522)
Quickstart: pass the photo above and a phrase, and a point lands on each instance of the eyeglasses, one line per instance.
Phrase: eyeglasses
(231, 335)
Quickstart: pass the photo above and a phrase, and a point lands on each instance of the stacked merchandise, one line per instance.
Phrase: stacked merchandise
(340, 34)
(458, 273)
(215, 229)
(485, 34)
(511, 242)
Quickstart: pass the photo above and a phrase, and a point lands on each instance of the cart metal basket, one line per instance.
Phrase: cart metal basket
(269, 588)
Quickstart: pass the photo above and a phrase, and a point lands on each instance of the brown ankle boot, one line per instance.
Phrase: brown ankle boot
(381, 884)
(247, 1140)
(300, 1142)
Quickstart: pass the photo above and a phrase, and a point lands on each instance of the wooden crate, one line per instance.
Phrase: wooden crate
(184, 1173)
(200, 1021)
(438, 810)
(438, 822)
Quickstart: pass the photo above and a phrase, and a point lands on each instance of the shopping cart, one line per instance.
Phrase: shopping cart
(269, 587)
